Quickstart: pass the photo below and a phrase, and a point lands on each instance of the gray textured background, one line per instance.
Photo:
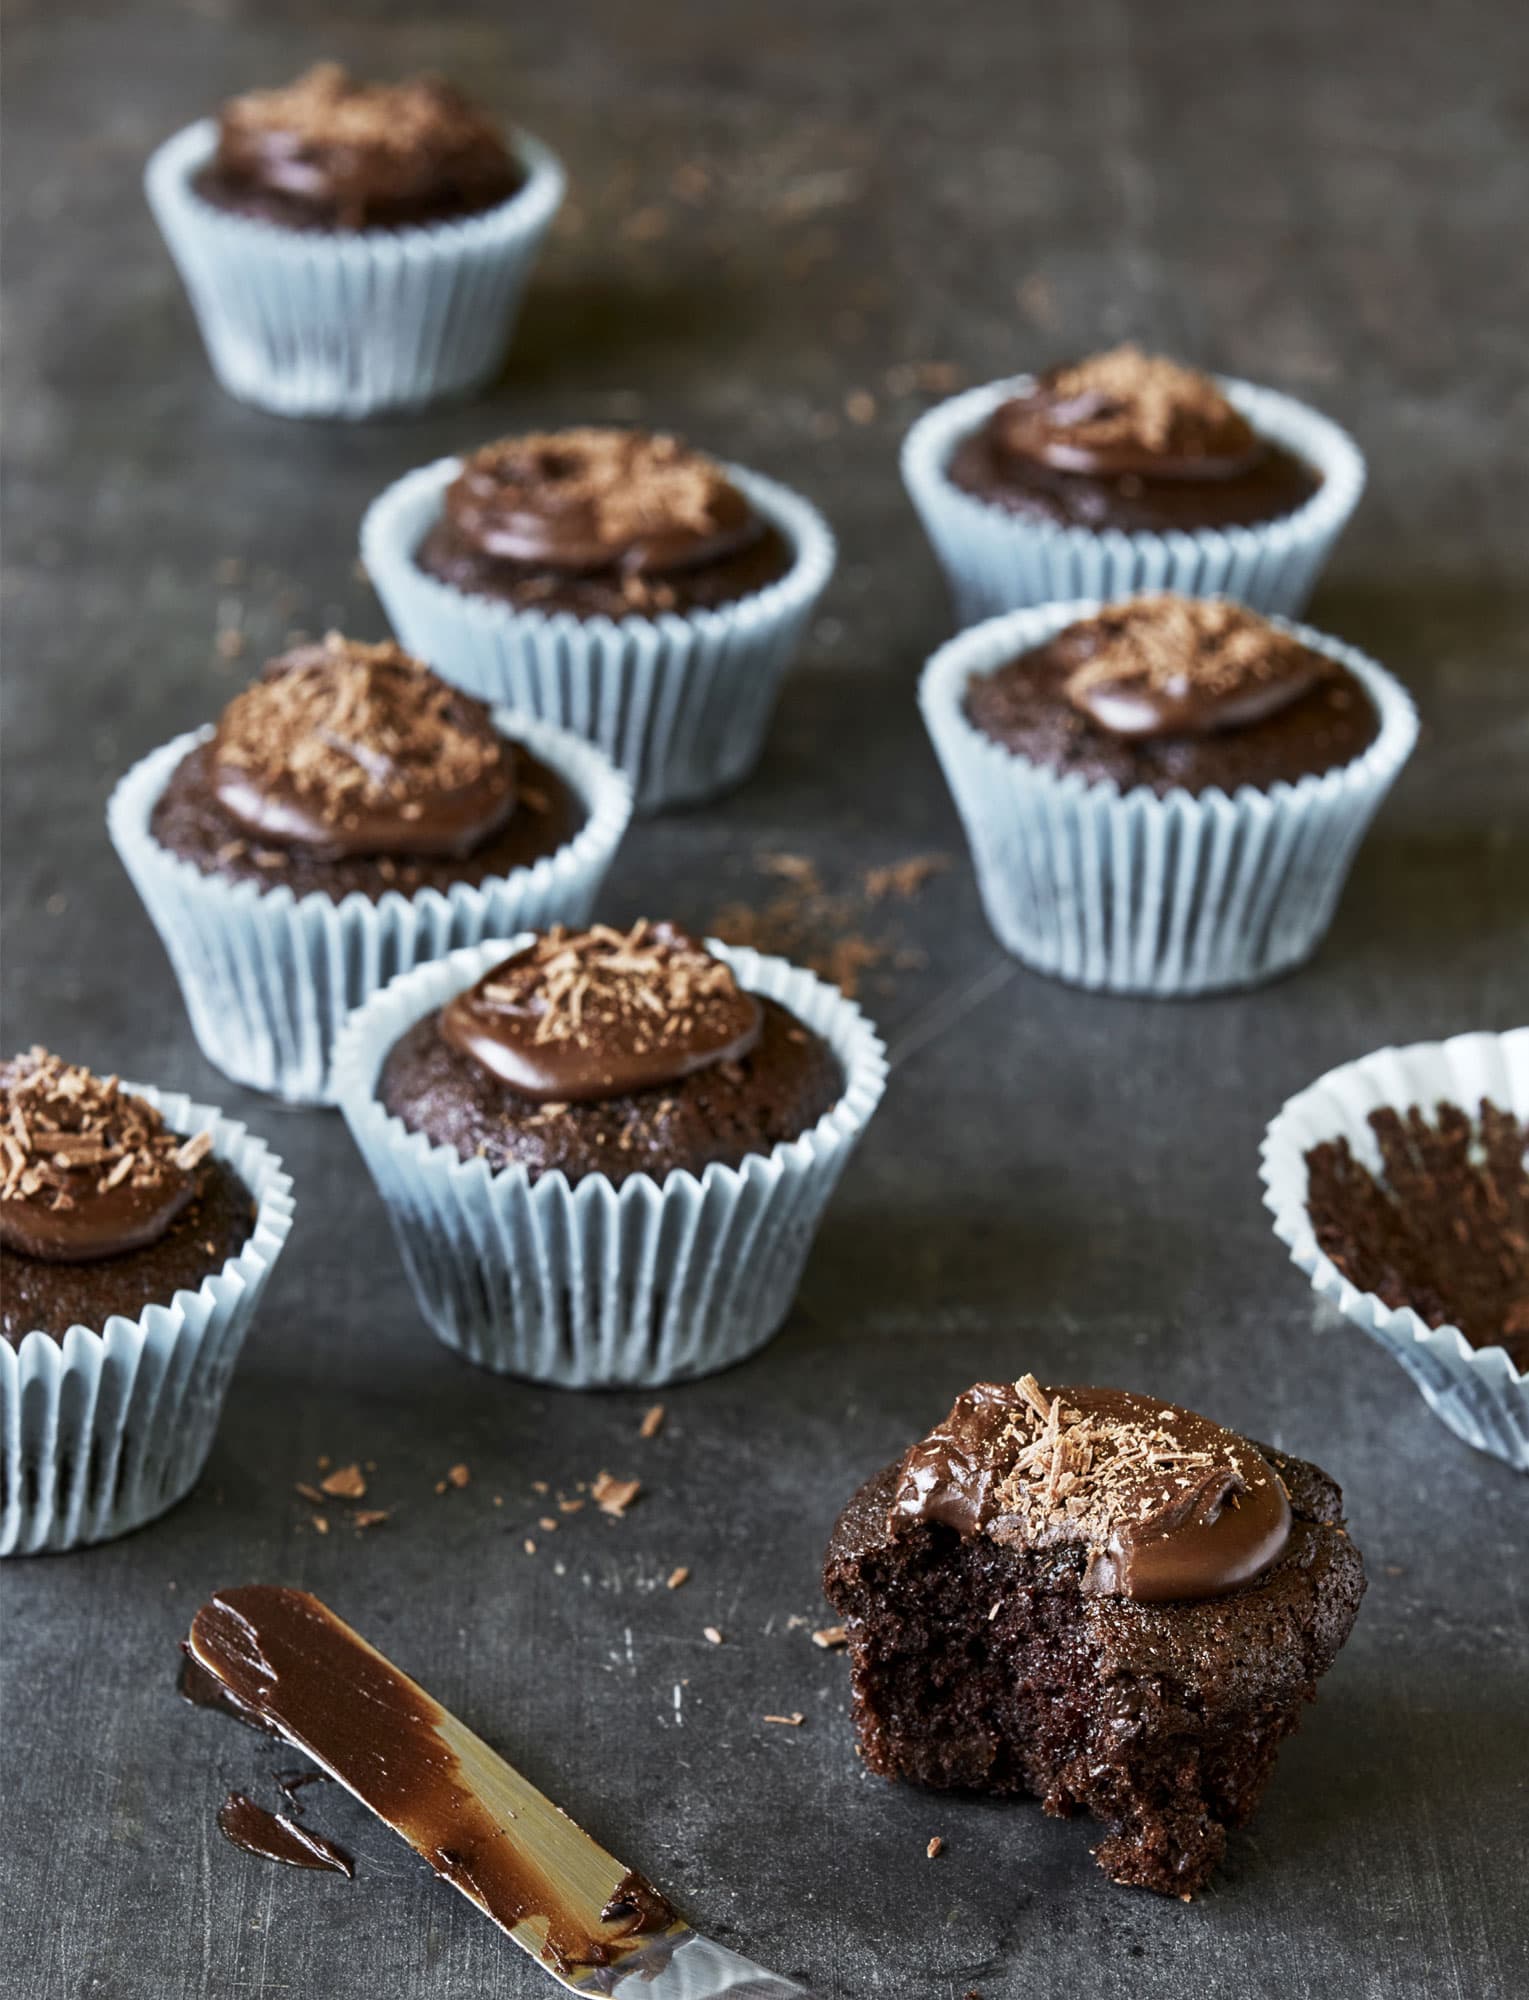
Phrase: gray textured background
(1327, 199)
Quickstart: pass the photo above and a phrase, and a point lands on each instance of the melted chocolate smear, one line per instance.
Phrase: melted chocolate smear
(292, 1782)
(274, 1837)
(295, 1668)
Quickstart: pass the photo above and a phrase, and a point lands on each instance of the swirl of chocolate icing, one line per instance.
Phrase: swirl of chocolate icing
(591, 499)
(1186, 666)
(361, 750)
(1128, 413)
(364, 155)
(91, 1171)
(1166, 1504)
(585, 1015)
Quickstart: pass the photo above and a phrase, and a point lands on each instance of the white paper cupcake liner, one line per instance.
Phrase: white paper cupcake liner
(1132, 893)
(994, 561)
(268, 978)
(108, 1428)
(1476, 1391)
(320, 323)
(592, 1285)
(681, 703)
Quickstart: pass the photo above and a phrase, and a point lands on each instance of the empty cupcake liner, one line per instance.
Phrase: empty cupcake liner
(321, 323)
(1132, 893)
(1476, 1391)
(268, 977)
(108, 1428)
(994, 561)
(590, 1285)
(681, 703)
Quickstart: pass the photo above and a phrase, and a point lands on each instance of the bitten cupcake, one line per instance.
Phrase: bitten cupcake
(352, 247)
(137, 1232)
(1100, 1599)
(1400, 1184)
(350, 815)
(617, 582)
(605, 1152)
(1126, 472)
(1162, 796)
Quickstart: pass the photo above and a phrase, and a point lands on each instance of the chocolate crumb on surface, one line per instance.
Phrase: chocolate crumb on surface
(613, 1496)
(1442, 1227)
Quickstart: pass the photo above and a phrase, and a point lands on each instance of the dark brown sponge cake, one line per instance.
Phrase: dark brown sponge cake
(988, 1667)
(719, 1115)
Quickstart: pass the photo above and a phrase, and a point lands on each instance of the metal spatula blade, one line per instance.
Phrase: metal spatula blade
(287, 1662)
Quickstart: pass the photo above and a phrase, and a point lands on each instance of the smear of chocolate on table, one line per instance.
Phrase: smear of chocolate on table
(276, 1837)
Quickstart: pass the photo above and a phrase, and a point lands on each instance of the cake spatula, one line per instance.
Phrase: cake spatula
(286, 1662)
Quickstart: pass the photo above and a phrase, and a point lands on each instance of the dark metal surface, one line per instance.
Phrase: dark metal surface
(1326, 199)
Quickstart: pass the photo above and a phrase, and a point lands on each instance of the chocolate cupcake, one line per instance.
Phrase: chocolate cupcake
(614, 581)
(605, 1152)
(349, 815)
(1098, 1599)
(1165, 795)
(136, 1236)
(1400, 1184)
(351, 247)
(1126, 472)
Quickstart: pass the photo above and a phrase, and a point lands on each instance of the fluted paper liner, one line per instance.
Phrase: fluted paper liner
(680, 702)
(589, 1284)
(996, 561)
(1476, 1391)
(104, 1430)
(268, 977)
(1132, 893)
(339, 323)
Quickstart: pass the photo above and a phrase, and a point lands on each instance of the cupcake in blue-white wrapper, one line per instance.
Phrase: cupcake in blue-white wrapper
(1400, 1185)
(1162, 796)
(606, 1153)
(350, 248)
(615, 582)
(137, 1232)
(1124, 473)
(349, 816)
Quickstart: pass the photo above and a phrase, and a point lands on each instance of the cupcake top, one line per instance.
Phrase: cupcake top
(1443, 1226)
(90, 1170)
(350, 749)
(354, 768)
(1164, 1503)
(1168, 691)
(1131, 441)
(328, 152)
(579, 1016)
(608, 1051)
(601, 520)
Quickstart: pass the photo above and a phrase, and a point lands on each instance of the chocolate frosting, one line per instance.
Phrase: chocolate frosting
(350, 155)
(290, 1666)
(1184, 666)
(581, 1016)
(1166, 1504)
(582, 500)
(351, 751)
(1125, 412)
(91, 1171)
(278, 1837)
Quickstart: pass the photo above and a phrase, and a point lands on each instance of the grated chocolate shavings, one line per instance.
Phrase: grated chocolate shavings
(67, 1135)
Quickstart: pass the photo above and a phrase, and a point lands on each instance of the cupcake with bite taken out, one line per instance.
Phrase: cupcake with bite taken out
(1097, 1598)
(616, 582)
(349, 815)
(1126, 472)
(137, 1232)
(605, 1152)
(1162, 796)
(351, 247)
